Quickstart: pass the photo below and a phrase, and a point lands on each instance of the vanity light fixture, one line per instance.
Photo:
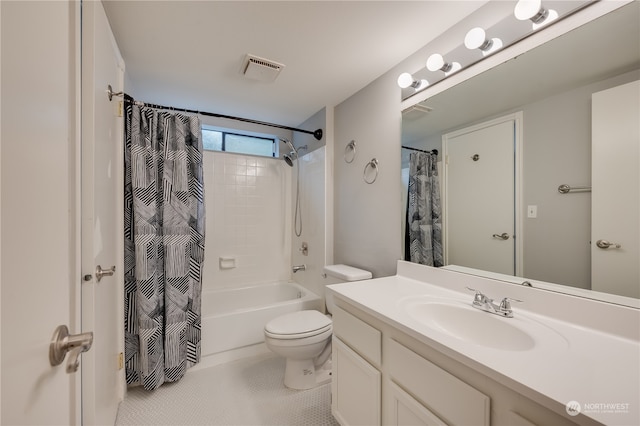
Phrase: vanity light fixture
(476, 38)
(406, 80)
(436, 62)
(534, 11)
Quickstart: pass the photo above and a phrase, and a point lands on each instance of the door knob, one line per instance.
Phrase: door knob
(63, 342)
(604, 244)
(503, 236)
(104, 272)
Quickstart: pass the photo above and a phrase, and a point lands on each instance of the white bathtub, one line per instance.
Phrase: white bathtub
(234, 318)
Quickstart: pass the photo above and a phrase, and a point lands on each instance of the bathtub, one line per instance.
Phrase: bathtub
(235, 317)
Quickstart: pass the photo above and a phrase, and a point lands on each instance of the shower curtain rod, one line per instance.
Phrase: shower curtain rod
(110, 93)
(433, 151)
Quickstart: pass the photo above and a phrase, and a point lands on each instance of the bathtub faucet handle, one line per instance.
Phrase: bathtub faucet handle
(297, 268)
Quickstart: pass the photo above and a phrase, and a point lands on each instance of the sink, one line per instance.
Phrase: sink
(462, 321)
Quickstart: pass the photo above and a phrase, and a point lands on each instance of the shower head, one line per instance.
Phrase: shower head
(290, 157)
(293, 155)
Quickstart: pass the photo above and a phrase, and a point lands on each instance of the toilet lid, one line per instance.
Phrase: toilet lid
(298, 324)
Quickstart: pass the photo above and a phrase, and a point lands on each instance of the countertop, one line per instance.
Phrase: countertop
(597, 369)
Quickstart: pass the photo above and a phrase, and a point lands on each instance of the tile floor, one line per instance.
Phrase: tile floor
(244, 392)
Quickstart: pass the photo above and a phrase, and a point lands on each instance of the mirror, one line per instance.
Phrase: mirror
(554, 81)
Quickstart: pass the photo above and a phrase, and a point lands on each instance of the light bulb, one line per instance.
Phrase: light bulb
(475, 39)
(527, 9)
(405, 80)
(435, 62)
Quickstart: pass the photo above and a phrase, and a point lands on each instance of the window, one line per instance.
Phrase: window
(220, 140)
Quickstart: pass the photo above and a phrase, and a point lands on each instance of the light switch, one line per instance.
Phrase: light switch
(532, 212)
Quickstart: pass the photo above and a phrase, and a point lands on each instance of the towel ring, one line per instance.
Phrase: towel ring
(374, 165)
(350, 148)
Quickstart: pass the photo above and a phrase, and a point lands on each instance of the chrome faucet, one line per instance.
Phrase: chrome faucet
(297, 268)
(483, 303)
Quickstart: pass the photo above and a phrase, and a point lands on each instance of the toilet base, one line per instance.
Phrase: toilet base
(302, 374)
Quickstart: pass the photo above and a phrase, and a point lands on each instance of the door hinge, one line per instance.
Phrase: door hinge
(120, 361)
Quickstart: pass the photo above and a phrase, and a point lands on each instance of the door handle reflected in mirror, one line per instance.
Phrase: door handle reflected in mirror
(604, 244)
(503, 236)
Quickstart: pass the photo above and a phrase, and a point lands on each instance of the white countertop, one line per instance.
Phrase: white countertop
(598, 369)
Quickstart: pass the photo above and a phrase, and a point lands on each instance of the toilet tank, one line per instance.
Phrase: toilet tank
(336, 274)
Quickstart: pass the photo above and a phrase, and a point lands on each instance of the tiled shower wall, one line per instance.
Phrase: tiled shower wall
(248, 207)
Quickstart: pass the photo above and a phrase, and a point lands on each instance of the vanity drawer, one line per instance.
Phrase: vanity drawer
(445, 395)
(359, 335)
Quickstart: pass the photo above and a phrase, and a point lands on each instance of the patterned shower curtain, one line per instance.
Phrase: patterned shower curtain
(423, 235)
(164, 244)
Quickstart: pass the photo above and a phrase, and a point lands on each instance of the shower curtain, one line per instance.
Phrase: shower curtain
(423, 233)
(164, 244)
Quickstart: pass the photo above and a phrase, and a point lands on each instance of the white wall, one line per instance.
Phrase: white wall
(247, 201)
(367, 229)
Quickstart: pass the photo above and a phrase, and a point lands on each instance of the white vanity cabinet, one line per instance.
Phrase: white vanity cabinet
(381, 375)
(356, 381)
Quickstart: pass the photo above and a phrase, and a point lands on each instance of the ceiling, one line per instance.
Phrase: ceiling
(189, 53)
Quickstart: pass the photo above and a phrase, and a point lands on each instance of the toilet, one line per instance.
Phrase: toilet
(303, 338)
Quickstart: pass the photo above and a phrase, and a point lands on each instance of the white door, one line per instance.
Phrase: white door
(480, 196)
(40, 208)
(615, 211)
(102, 220)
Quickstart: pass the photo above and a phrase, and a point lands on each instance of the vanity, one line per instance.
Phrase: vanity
(411, 349)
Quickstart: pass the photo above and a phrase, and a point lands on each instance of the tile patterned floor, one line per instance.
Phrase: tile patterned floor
(244, 392)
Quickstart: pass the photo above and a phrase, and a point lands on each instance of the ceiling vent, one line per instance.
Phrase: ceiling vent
(260, 69)
(416, 111)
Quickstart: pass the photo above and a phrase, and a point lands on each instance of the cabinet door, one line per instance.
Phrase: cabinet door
(355, 388)
(406, 411)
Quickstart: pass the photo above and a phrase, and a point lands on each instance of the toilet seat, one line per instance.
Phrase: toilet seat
(298, 325)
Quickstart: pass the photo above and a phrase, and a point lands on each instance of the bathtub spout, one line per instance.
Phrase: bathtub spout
(297, 268)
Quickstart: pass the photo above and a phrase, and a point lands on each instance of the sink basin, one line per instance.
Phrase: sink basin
(472, 325)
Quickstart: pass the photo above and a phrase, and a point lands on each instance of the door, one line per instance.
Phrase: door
(480, 214)
(102, 218)
(615, 210)
(40, 208)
